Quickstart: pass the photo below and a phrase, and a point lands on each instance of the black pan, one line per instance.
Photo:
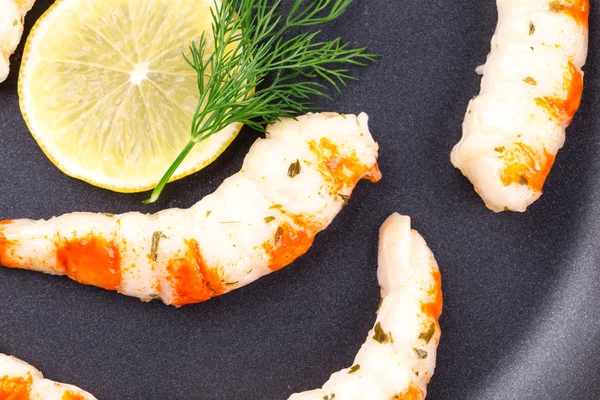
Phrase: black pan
(522, 291)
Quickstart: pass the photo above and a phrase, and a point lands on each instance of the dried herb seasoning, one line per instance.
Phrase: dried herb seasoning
(523, 180)
(294, 169)
(380, 336)
(278, 235)
(422, 354)
(156, 236)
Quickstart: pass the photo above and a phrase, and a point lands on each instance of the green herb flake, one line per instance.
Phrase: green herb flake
(417, 373)
(294, 169)
(109, 215)
(380, 336)
(428, 334)
(499, 149)
(531, 28)
(354, 369)
(345, 198)
(15, 22)
(422, 354)
(523, 180)
(269, 219)
(529, 80)
(555, 6)
(506, 208)
(329, 397)
(208, 213)
(156, 236)
(278, 235)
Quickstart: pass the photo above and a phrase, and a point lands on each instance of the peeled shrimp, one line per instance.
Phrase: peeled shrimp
(398, 359)
(11, 29)
(21, 381)
(531, 88)
(291, 186)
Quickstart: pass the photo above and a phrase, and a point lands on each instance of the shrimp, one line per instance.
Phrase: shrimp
(11, 29)
(291, 186)
(21, 381)
(398, 359)
(531, 88)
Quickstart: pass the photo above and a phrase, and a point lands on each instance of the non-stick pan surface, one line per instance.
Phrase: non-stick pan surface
(522, 291)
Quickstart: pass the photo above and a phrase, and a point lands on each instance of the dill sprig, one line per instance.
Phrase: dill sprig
(249, 46)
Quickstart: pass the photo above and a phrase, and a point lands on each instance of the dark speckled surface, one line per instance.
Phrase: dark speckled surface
(522, 291)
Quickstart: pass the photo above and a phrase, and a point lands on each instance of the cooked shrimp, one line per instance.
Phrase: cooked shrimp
(21, 381)
(11, 29)
(398, 359)
(291, 186)
(531, 88)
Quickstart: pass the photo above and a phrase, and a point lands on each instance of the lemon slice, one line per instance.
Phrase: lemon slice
(107, 94)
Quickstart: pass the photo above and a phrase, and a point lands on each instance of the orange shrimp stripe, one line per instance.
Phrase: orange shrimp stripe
(288, 244)
(413, 393)
(15, 388)
(5, 258)
(525, 166)
(565, 108)
(191, 278)
(579, 10)
(91, 260)
(71, 395)
(433, 309)
(341, 172)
